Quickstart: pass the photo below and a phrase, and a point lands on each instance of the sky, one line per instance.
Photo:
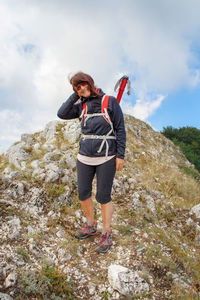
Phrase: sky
(156, 43)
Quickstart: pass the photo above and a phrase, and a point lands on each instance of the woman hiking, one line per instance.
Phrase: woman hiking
(101, 151)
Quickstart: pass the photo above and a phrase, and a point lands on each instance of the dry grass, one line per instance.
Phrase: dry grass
(186, 258)
(172, 182)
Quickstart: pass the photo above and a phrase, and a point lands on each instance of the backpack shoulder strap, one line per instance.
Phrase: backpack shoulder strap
(104, 103)
(84, 111)
(104, 107)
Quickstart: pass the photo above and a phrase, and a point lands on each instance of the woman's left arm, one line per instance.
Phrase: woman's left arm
(117, 119)
(119, 164)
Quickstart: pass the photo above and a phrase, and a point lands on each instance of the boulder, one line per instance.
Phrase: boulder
(53, 172)
(27, 138)
(35, 164)
(36, 146)
(17, 155)
(196, 211)
(5, 297)
(35, 197)
(70, 160)
(10, 280)
(9, 174)
(125, 281)
(147, 203)
(14, 228)
(48, 146)
(52, 156)
(50, 131)
(72, 131)
(17, 189)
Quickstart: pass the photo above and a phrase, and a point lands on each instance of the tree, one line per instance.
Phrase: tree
(188, 139)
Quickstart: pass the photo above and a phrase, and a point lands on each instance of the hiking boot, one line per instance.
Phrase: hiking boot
(105, 242)
(86, 231)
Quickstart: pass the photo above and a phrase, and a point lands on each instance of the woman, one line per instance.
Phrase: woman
(101, 152)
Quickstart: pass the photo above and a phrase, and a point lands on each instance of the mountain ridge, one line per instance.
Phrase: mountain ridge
(156, 228)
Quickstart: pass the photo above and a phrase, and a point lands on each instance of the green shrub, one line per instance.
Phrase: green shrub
(47, 283)
(188, 139)
(55, 191)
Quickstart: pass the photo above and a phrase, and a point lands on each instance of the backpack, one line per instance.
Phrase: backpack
(104, 112)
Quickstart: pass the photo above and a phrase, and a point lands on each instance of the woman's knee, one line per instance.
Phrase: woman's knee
(103, 198)
(84, 194)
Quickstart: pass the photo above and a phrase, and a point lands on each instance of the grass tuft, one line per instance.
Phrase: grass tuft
(55, 191)
(45, 283)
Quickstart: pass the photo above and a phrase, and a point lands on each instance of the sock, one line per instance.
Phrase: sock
(105, 232)
(89, 223)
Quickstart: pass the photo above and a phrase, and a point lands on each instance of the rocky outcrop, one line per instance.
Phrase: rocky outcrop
(18, 156)
(155, 224)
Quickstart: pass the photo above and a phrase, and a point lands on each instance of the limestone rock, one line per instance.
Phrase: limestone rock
(72, 131)
(91, 288)
(14, 228)
(150, 204)
(27, 138)
(35, 164)
(141, 200)
(7, 202)
(70, 160)
(126, 281)
(189, 222)
(10, 280)
(48, 146)
(9, 175)
(196, 210)
(34, 248)
(136, 201)
(121, 185)
(35, 197)
(65, 178)
(30, 230)
(17, 155)
(17, 189)
(52, 156)
(36, 146)
(179, 282)
(50, 131)
(65, 197)
(53, 172)
(197, 239)
(38, 172)
(5, 297)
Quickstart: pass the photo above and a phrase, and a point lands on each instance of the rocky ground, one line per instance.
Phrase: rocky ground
(156, 230)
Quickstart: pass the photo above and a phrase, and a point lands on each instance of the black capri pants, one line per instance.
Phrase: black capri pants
(105, 174)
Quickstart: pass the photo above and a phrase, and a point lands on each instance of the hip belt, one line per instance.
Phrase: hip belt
(104, 139)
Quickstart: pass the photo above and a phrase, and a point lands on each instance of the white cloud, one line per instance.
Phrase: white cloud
(9, 132)
(143, 109)
(14, 123)
(43, 41)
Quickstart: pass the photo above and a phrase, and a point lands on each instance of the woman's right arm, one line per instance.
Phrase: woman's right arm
(70, 110)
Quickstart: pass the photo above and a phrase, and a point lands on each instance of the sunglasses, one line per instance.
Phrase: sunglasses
(78, 87)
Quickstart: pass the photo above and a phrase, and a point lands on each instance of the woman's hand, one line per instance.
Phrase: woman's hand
(119, 164)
